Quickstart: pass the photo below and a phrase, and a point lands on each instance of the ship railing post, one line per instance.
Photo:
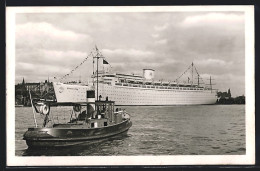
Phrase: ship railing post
(34, 117)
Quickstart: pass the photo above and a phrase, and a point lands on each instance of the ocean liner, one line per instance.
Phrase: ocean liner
(130, 89)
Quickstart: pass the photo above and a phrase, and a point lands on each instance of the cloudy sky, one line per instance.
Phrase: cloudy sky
(52, 44)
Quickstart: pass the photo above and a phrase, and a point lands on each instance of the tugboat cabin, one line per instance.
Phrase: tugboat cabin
(90, 114)
(97, 114)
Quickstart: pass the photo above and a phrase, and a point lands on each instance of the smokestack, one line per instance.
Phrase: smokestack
(90, 98)
(148, 74)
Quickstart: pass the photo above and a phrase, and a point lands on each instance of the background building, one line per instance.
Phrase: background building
(43, 90)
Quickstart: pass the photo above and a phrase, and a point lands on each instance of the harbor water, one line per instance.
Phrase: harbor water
(156, 130)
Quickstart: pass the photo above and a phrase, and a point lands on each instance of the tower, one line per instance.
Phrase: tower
(229, 93)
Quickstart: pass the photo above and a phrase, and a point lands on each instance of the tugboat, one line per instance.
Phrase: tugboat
(99, 120)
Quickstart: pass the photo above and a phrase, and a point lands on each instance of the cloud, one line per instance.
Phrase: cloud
(40, 63)
(199, 41)
(161, 42)
(134, 55)
(155, 35)
(26, 66)
(167, 42)
(161, 27)
(46, 29)
(28, 71)
(45, 35)
(49, 56)
(214, 62)
(213, 18)
(58, 56)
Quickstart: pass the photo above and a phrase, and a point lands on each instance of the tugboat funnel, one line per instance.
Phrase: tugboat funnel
(90, 98)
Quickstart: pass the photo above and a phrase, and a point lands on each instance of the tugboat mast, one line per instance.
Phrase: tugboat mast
(97, 78)
(98, 55)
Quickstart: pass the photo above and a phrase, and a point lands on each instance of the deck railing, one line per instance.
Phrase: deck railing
(160, 87)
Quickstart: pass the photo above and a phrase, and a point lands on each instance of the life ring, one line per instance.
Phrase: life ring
(45, 109)
(77, 108)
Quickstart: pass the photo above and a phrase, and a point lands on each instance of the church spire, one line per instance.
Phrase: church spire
(229, 93)
(23, 81)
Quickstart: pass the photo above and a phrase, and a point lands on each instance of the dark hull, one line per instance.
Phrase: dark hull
(56, 137)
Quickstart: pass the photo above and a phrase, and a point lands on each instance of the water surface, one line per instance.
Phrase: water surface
(156, 130)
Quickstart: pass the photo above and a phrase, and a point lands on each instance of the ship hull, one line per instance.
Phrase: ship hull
(151, 97)
(60, 137)
(130, 95)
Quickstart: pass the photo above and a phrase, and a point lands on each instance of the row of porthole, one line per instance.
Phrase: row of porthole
(165, 95)
(149, 98)
(142, 102)
(170, 91)
(128, 92)
(158, 87)
(150, 92)
(162, 98)
(136, 100)
(156, 96)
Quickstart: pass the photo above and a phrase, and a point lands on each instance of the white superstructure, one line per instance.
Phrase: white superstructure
(137, 90)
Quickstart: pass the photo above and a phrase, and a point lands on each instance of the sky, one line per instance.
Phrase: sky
(53, 44)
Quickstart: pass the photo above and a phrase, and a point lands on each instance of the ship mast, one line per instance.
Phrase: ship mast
(192, 74)
(98, 55)
(210, 83)
(198, 80)
(93, 72)
(198, 77)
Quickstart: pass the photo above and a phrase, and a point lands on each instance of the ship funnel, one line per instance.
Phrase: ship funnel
(90, 98)
(148, 74)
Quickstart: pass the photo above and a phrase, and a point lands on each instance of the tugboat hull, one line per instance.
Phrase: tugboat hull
(67, 136)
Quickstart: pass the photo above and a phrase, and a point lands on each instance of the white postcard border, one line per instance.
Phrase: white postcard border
(248, 158)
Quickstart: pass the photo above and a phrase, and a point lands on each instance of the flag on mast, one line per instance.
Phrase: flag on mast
(105, 62)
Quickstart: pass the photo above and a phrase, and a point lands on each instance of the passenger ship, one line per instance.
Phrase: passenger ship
(130, 89)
